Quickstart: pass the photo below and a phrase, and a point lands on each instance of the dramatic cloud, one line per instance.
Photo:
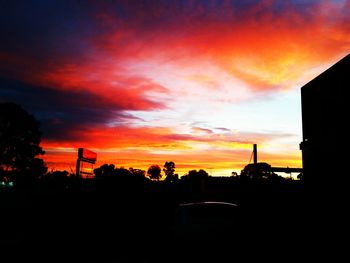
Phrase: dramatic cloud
(197, 81)
(66, 113)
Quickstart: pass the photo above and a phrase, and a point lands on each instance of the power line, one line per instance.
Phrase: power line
(251, 157)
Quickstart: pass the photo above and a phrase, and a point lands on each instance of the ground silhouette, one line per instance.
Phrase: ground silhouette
(122, 215)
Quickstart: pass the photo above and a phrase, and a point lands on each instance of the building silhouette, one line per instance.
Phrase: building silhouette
(325, 150)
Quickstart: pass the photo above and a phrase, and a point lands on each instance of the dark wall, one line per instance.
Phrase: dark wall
(325, 120)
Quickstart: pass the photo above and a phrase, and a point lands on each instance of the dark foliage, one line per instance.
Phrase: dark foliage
(154, 172)
(19, 145)
(106, 170)
(169, 170)
(262, 170)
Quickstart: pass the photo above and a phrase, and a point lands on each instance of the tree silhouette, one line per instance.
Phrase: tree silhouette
(234, 174)
(196, 180)
(154, 172)
(198, 175)
(262, 170)
(56, 179)
(169, 170)
(137, 172)
(104, 171)
(19, 144)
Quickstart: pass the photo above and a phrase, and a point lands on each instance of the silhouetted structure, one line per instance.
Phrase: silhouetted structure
(324, 117)
(85, 156)
(263, 170)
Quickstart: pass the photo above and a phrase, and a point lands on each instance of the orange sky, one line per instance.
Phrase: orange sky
(196, 82)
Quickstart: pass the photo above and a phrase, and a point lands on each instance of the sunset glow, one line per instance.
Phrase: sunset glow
(145, 82)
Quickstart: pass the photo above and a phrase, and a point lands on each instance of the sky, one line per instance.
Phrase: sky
(145, 82)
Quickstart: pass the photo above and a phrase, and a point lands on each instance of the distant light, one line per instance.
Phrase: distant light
(10, 184)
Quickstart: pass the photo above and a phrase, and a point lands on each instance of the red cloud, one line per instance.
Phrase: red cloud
(111, 82)
(265, 48)
(124, 137)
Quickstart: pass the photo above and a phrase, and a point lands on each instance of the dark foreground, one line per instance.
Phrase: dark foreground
(279, 223)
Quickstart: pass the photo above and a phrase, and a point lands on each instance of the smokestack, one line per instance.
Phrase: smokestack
(255, 152)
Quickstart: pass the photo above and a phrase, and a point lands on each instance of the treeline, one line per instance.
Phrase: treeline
(21, 167)
(120, 183)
